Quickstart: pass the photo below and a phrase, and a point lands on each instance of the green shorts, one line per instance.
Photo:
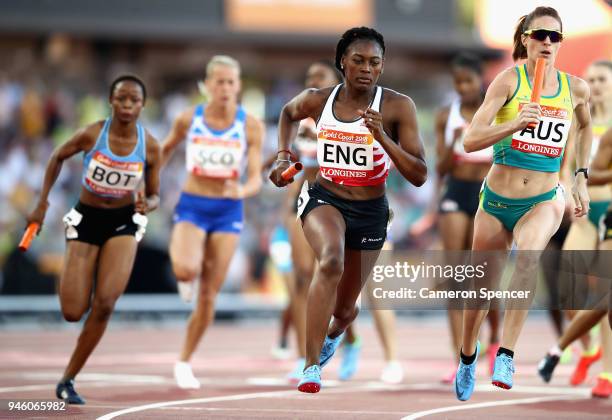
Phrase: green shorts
(597, 212)
(510, 210)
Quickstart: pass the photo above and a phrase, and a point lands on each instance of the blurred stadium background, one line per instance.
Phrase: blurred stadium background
(58, 58)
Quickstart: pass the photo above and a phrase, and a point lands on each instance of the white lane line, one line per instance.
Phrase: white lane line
(535, 400)
(163, 404)
(273, 394)
(546, 390)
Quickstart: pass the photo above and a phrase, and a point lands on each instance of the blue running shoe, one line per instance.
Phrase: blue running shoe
(503, 371)
(311, 380)
(465, 379)
(65, 391)
(329, 348)
(350, 359)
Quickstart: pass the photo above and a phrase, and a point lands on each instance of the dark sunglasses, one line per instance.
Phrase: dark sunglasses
(542, 34)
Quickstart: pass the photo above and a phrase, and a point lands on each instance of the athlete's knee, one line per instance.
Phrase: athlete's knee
(73, 314)
(303, 277)
(103, 308)
(527, 263)
(332, 263)
(303, 272)
(185, 271)
(208, 294)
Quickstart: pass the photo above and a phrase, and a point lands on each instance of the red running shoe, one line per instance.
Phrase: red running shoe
(602, 389)
(580, 373)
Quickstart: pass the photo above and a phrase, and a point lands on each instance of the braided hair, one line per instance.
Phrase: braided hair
(355, 34)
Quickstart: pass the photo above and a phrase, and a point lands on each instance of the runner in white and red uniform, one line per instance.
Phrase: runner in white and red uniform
(320, 74)
(361, 128)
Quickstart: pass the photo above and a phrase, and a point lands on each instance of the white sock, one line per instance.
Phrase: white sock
(555, 351)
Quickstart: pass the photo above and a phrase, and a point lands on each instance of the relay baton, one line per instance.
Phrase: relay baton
(292, 171)
(28, 235)
(537, 83)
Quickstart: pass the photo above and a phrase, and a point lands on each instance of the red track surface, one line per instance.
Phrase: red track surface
(132, 367)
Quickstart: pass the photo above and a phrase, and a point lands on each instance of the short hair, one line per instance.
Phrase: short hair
(468, 61)
(128, 78)
(355, 34)
(222, 60)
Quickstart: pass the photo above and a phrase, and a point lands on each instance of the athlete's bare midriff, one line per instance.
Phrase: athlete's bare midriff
(513, 182)
(353, 193)
(90, 199)
(600, 192)
(210, 187)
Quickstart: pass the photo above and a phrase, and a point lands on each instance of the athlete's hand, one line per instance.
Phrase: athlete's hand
(373, 120)
(144, 204)
(581, 196)
(38, 215)
(530, 113)
(276, 174)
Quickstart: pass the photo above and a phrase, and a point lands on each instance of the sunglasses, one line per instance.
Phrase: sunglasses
(542, 34)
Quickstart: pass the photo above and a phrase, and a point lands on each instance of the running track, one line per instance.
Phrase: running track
(130, 377)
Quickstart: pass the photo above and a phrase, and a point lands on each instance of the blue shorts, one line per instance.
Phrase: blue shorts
(210, 214)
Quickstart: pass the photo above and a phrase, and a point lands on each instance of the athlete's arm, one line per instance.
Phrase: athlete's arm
(309, 103)
(600, 172)
(407, 154)
(481, 134)
(569, 156)
(444, 152)
(177, 134)
(566, 173)
(254, 134)
(584, 135)
(82, 140)
(151, 199)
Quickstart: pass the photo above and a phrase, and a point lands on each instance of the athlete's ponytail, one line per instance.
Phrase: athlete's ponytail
(519, 50)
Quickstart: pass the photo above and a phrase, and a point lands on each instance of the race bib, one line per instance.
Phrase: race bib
(215, 158)
(106, 176)
(548, 138)
(344, 154)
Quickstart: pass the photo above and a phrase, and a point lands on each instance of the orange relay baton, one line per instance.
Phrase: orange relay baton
(292, 171)
(538, 80)
(28, 235)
